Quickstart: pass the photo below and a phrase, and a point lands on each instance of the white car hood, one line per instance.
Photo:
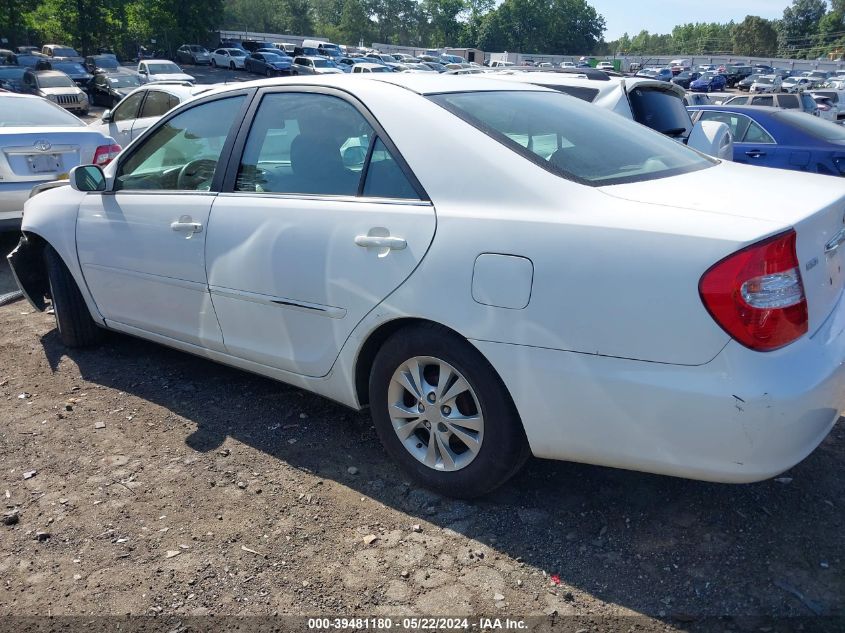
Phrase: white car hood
(724, 189)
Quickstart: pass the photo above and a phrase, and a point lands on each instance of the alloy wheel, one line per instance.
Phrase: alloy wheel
(435, 413)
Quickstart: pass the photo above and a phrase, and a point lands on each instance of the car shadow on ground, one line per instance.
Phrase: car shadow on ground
(653, 544)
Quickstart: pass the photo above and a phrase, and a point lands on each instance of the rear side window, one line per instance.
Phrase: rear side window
(789, 101)
(661, 111)
(763, 101)
(157, 104)
(573, 139)
(385, 178)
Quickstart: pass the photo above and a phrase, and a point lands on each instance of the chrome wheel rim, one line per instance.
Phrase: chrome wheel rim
(435, 413)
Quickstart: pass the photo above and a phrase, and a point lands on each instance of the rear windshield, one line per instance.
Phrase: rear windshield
(571, 138)
(163, 69)
(64, 52)
(17, 112)
(106, 62)
(812, 125)
(69, 68)
(660, 110)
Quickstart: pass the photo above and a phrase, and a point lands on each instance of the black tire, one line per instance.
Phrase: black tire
(231, 65)
(504, 447)
(73, 320)
(213, 63)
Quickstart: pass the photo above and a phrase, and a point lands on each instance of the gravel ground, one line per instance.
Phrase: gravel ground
(140, 480)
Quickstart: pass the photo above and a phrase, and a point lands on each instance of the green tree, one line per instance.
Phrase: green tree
(755, 37)
(799, 26)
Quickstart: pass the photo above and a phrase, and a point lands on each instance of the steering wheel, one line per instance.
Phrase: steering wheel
(195, 173)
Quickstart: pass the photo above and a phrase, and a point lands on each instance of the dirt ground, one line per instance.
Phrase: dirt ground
(147, 481)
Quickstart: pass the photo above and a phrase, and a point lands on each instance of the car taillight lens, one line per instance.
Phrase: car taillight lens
(105, 154)
(756, 295)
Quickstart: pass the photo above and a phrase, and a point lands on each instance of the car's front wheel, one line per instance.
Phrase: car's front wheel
(213, 63)
(443, 413)
(73, 320)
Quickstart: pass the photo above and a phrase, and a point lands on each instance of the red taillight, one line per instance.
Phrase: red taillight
(756, 295)
(105, 154)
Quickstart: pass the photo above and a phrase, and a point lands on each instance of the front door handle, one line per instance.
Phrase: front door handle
(377, 241)
(755, 153)
(186, 224)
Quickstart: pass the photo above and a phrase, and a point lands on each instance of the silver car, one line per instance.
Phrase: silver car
(40, 142)
(57, 87)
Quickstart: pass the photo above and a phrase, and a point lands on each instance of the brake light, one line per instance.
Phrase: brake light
(757, 296)
(105, 154)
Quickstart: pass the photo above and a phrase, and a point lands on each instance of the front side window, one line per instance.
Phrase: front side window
(571, 138)
(305, 143)
(182, 154)
(128, 108)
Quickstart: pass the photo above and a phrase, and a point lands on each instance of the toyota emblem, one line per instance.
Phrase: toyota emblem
(43, 145)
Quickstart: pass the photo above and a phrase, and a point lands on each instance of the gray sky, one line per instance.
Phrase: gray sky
(660, 16)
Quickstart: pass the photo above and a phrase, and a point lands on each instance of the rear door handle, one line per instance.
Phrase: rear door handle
(375, 241)
(185, 224)
(755, 153)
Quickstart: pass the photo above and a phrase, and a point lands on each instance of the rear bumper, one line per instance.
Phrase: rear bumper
(13, 195)
(745, 416)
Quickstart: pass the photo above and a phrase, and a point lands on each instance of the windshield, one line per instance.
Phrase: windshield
(812, 125)
(764, 80)
(124, 81)
(274, 57)
(380, 69)
(571, 138)
(387, 58)
(196, 49)
(323, 63)
(106, 62)
(236, 52)
(54, 81)
(707, 76)
(70, 68)
(37, 113)
(163, 69)
(11, 74)
(64, 52)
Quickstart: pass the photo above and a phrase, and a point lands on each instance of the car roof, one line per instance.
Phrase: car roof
(48, 73)
(157, 61)
(747, 109)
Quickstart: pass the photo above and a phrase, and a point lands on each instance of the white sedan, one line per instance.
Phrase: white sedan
(163, 70)
(231, 58)
(565, 297)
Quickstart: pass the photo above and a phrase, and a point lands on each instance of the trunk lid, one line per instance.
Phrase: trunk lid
(46, 153)
(814, 206)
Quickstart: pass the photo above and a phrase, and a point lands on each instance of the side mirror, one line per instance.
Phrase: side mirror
(87, 178)
(713, 138)
(107, 116)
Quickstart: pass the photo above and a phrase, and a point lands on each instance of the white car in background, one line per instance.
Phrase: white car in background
(797, 84)
(570, 298)
(162, 70)
(142, 107)
(605, 66)
(231, 58)
(766, 83)
(367, 67)
(567, 65)
(39, 143)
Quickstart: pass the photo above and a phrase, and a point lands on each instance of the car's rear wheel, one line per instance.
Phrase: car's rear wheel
(213, 63)
(231, 65)
(442, 412)
(73, 320)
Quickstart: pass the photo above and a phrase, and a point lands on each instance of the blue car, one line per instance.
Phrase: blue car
(709, 82)
(786, 139)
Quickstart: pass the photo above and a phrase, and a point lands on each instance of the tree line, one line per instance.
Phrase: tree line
(530, 26)
(809, 29)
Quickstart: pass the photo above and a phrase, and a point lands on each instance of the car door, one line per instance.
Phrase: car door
(141, 244)
(753, 145)
(123, 118)
(319, 221)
